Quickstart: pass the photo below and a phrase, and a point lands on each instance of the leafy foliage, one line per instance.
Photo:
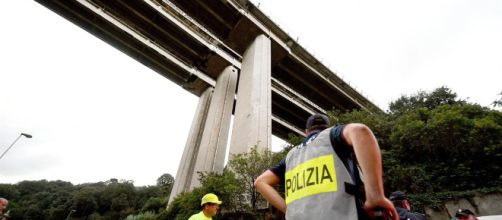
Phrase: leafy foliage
(379, 123)
(450, 142)
(498, 102)
(248, 166)
(225, 185)
(166, 183)
(143, 216)
(113, 199)
(435, 144)
(235, 187)
(440, 96)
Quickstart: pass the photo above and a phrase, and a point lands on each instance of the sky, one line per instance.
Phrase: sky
(97, 114)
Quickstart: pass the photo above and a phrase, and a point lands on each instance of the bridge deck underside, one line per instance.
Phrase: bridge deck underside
(232, 31)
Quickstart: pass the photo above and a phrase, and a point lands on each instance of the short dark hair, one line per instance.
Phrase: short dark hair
(397, 195)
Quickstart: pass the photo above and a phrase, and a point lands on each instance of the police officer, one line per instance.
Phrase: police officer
(403, 207)
(465, 214)
(321, 176)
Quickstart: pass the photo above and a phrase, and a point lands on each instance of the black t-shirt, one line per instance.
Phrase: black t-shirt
(337, 138)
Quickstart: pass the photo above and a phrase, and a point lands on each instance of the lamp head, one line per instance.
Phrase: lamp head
(26, 135)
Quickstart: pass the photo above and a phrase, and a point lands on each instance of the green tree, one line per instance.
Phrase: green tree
(380, 123)
(117, 198)
(148, 197)
(84, 202)
(248, 166)
(184, 205)
(446, 143)
(228, 188)
(422, 99)
(498, 102)
(142, 216)
(165, 179)
(113, 199)
(34, 212)
(435, 142)
(154, 204)
(166, 183)
(9, 191)
(237, 192)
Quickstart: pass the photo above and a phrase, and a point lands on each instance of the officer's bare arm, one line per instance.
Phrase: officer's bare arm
(367, 151)
(265, 186)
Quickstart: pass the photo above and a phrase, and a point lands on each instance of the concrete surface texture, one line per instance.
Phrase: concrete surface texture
(489, 206)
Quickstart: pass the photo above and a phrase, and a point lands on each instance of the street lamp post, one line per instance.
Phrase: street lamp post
(22, 134)
(69, 214)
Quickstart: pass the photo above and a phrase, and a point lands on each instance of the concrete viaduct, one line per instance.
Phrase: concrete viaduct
(232, 56)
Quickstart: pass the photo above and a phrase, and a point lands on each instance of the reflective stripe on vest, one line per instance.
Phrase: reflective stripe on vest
(314, 182)
(311, 177)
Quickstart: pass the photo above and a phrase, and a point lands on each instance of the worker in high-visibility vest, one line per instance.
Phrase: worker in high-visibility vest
(210, 205)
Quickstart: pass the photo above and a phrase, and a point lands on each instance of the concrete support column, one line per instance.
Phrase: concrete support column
(253, 111)
(214, 140)
(206, 144)
(189, 157)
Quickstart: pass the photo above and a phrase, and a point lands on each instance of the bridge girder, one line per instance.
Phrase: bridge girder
(191, 42)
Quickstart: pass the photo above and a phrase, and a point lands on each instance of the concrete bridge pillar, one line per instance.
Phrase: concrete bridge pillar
(189, 157)
(206, 144)
(214, 140)
(253, 111)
